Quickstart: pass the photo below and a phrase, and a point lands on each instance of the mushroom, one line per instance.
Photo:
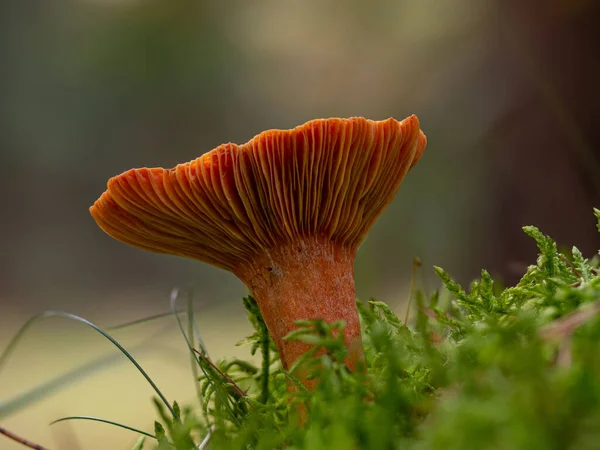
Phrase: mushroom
(284, 212)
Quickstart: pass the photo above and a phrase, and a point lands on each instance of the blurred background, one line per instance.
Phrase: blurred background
(506, 91)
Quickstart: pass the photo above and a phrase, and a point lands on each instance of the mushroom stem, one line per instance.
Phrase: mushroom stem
(312, 278)
(285, 212)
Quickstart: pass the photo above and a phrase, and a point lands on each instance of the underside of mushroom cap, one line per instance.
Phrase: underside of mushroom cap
(329, 178)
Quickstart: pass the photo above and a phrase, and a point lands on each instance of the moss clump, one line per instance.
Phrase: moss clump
(514, 368)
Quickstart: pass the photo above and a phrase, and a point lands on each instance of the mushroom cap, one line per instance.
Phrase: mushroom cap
(328, 178)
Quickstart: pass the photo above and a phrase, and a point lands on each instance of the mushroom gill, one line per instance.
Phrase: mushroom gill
(284, 212)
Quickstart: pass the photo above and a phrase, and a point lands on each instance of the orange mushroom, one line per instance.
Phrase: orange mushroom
(284, 212)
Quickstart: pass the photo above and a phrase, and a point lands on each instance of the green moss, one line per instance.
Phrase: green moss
(517, 368)
(478, 368)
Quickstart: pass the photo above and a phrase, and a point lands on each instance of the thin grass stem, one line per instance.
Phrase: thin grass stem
(110, 422)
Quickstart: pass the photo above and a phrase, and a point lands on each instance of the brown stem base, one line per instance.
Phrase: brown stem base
(310, 279)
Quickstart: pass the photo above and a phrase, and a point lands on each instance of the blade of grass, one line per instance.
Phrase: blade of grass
(67, 379)
(98, 419)
(142, 320)
(173, 305)
(41, 391)
(127, 355)
(17, 338)
(193, 351)
(204, 444)
(193, 327)
(190, 315)
(103, 333)
(415, 266)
